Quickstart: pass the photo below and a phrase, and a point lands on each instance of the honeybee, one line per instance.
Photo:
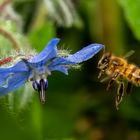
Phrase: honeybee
(117, 70)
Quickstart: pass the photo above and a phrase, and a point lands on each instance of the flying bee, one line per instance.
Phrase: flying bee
(117, 70)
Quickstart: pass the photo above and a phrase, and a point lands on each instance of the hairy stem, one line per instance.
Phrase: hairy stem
(9, 36)
(2, 6)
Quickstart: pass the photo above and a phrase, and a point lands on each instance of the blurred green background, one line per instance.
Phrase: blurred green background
(78, 107)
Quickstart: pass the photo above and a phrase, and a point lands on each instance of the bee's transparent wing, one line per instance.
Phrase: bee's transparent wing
(128, 54)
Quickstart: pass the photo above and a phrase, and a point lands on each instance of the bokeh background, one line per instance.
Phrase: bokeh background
(78, 107)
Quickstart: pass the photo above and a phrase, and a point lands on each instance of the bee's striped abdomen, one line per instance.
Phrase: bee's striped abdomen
(138, 78)
(132, 73)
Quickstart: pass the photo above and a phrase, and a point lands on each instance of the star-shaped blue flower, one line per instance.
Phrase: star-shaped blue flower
(38, 68)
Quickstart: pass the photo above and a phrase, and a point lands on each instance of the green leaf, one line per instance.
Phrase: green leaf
(132, 15)
(41, 35)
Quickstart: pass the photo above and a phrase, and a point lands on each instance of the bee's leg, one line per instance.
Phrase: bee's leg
(109, 84)
(114, 77)
(100, 74)
(105, 79)
(129, 88)
(120, 93)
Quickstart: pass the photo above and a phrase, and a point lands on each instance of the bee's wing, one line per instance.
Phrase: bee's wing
(128, 54)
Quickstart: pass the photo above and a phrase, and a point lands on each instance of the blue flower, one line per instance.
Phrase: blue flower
(38, 68)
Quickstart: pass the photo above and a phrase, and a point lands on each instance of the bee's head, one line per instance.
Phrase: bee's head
(104, 61)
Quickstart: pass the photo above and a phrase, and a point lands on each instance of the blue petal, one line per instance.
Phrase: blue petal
(3, 78)
(63, 64)
(13, 77)
(59, 61)
(84, 54)
(48, 53)
(18, 67)
(14, 81)
(60, 68)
